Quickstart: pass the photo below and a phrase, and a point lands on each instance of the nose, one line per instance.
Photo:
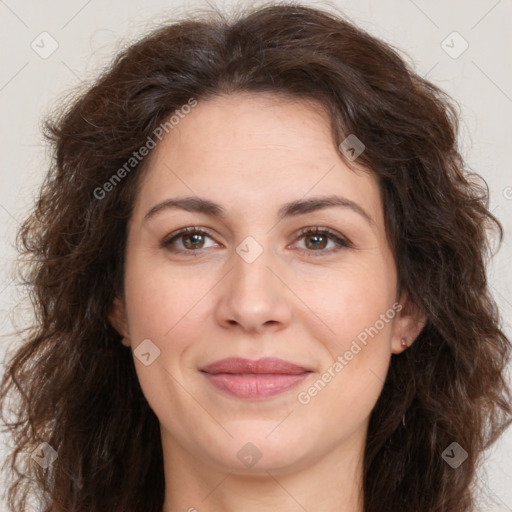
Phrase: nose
(254, 295)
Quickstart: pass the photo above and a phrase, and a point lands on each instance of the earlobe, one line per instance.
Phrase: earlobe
(118, 319)
(409, 323)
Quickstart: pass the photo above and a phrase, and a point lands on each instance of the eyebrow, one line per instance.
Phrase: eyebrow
(293, 208)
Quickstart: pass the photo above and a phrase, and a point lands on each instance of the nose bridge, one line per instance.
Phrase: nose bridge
(252, 263)
(253, 295)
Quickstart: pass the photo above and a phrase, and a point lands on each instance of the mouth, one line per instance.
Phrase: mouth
(254, 379)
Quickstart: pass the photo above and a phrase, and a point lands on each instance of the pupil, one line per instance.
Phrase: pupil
(317, 237)
(197, 240)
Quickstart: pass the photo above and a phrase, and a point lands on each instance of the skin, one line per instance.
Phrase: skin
(251, 154)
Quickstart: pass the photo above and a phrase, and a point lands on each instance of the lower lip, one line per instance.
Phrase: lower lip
(255, 386)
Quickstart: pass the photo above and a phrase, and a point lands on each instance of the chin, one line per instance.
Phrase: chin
(256, 449)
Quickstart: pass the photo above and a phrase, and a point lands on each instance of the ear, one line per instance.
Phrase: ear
(408, 324)
(118, 318)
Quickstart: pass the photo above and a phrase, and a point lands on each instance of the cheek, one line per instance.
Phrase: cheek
(162, 307)
(352, 300)
(358, 308)
(159, 300)
(359, 313)
(340, 303)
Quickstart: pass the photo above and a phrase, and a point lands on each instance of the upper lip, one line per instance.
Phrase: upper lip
(265, 365)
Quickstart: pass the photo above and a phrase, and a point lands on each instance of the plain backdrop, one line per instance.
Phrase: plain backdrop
(50, 47)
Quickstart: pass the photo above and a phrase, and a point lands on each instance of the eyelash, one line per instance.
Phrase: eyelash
(343, 243)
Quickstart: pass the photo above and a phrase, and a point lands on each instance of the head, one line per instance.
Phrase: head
(255, 116)
(255, 286)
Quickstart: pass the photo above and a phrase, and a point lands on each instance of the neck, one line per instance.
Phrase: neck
(331, 483)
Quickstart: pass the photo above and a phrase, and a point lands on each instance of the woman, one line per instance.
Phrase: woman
(258, 266)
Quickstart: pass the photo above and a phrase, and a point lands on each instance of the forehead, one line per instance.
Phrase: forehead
(253, 151)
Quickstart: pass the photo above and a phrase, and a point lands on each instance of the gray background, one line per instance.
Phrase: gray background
(88, 33)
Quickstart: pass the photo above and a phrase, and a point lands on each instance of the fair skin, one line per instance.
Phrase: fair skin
(302, 299)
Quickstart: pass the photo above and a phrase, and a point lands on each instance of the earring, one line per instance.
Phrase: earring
(403, 342)
(403, 419)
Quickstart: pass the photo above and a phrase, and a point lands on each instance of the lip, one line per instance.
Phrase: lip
(254, 379)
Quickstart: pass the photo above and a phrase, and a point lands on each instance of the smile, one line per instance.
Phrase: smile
(248, 379)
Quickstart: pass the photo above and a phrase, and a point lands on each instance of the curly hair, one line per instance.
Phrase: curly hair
(73, 383)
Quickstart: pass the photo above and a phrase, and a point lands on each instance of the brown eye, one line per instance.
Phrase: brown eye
(193, 241)
(317, 240)
(189, 240)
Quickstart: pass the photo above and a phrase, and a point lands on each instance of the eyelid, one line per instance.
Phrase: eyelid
(168, 239)
(341, 240)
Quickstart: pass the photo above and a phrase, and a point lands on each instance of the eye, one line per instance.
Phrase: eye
(191, 239)
(317, 239)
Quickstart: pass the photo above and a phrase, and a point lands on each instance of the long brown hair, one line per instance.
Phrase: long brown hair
(75, 383)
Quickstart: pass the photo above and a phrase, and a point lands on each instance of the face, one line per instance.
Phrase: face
(259, 282)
